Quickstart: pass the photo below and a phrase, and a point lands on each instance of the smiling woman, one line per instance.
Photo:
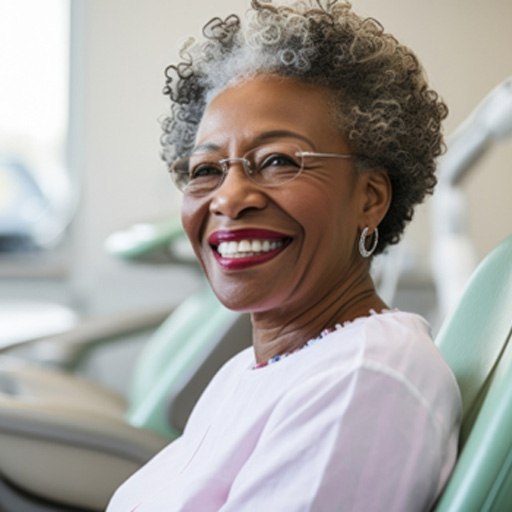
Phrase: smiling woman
(296, 142)
(308, 260)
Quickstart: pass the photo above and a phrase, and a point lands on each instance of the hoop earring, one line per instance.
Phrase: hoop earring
(366, 253)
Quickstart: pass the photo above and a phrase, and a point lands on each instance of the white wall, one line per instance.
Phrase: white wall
(464, 44)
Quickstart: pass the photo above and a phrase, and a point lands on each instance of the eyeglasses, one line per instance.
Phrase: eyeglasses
(270, 165)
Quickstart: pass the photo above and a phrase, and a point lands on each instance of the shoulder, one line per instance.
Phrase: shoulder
(394, 342)
(373, 360)
(400, 345)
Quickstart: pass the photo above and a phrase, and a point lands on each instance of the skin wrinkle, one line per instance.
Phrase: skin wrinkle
(272, 338)
(323, 44)
(319, 279)
(283, 333)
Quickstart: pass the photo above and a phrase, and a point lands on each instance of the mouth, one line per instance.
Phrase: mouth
(236, 249)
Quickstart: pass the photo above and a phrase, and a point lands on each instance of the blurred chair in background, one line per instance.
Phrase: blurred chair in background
(95, 438)
(453, 253)
(475, 341)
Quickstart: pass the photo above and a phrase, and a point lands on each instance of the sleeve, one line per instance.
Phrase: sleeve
(363, 442)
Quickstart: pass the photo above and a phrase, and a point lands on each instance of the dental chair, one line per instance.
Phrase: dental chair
(476, 343)
(70, 453)
(66, 443)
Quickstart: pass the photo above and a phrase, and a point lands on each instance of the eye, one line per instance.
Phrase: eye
(276, 163)
(278, 160)
(205, 170)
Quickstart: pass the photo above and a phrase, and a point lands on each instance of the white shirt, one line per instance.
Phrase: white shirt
(364, 420)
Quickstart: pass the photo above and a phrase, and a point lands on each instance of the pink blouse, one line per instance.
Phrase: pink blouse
(364, 420)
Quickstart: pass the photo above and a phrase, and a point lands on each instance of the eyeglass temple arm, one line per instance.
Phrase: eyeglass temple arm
(325, 155)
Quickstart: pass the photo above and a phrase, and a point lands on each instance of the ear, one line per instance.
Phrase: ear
(377, 194)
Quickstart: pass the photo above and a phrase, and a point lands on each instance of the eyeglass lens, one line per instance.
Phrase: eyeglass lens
(268, 165)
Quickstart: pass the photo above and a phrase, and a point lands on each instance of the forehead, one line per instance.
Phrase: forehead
(266, 103)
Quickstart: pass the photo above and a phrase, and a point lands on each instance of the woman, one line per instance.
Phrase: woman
(302, 143)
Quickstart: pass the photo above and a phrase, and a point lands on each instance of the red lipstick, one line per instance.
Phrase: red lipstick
(241, 261)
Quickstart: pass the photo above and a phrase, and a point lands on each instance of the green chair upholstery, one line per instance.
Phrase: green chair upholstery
(48, 415)
(180, 359)
(186, 351)
(475, 342)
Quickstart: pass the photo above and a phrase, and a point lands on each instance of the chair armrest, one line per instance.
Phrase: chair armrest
(90, 454)
(152, 242)
(67, 349)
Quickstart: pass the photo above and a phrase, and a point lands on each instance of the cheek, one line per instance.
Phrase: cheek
(317, 206)
(305, 197)
(328, 216)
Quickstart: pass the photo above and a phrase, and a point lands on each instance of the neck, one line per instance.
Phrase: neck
(278, 332)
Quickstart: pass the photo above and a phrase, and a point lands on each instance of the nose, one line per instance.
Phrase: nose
(237, 193)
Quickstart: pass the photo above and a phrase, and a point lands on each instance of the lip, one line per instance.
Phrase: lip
(236, 235)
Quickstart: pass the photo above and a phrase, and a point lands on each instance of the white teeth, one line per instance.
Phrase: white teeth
(246, 248)
(255, 246)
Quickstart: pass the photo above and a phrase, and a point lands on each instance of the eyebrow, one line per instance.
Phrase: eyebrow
(262, 137)
(275, 134)
(204, 147)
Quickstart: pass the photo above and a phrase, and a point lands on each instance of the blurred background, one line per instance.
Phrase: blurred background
(80, 100)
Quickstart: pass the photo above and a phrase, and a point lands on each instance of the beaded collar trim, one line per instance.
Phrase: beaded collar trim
(314, 341)
(308, 343)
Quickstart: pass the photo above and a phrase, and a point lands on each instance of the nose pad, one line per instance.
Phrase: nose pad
(242, 161)
(237, 192)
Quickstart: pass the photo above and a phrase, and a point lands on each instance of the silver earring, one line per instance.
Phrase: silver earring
(366, 253)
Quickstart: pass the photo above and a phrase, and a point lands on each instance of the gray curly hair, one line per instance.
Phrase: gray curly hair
(383, 103)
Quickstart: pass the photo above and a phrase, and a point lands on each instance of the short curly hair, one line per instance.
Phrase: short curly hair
(383, 103)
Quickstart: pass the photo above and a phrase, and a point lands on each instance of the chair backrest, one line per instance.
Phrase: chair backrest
(185, 352)
(181, 358)
(475, 342)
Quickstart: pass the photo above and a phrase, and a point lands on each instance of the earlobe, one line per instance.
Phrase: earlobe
(378, 194)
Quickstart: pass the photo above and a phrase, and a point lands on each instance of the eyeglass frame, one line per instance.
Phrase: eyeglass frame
(224, 167)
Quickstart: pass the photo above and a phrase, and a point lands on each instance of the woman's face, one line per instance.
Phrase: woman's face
(301, 235)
